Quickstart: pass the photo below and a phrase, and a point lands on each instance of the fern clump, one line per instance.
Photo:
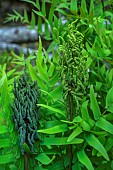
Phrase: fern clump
(74, 74)
(25, 110)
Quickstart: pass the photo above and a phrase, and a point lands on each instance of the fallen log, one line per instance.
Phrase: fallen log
(18, 34)
(4, 46)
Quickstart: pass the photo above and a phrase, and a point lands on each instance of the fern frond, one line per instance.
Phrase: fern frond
(14, 17)
(8, 137)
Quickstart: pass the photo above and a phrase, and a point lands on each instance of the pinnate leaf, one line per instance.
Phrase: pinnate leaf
(35, 76)
(105, 125)
(5, 143)
(94, 104)
(109, 100)
(84, 111)
(95, 143)
(55, 129)
(3, 129)
(75, 133)
(73, 5)
(43, 158)
(83, 158)
(52, 109)
(60, 141)
(2, 80)
(7, 158)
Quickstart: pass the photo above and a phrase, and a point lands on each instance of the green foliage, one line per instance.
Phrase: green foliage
(25, 93)
(9, 138)
(82, 157)
(75, 126)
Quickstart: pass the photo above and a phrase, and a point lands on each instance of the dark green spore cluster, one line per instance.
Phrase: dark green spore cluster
(74, 75)
(26, 94)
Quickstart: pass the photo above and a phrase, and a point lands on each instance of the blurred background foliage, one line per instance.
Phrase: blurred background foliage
(53, 16)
